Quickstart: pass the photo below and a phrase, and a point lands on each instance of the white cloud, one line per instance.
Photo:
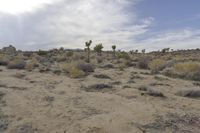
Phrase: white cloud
(71, 23)
(21, 6)
(181, 39)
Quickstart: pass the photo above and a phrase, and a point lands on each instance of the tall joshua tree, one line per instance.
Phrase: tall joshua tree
(143, 51)
(98, 48)
(114, 48)
(87, 44)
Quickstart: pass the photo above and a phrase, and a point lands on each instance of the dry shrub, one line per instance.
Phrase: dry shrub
(73, 70)
(31, 65)
(99, 59)
(156, 65)
(16, 64)
(123, 55)
(187, 70)
(19, 75)
(4, 60)
(143, 62)
(85, 67)
(191, 93)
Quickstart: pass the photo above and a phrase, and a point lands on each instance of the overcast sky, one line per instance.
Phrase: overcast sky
(129, 24)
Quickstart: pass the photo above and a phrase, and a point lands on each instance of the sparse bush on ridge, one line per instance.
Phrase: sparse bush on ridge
(42, 53)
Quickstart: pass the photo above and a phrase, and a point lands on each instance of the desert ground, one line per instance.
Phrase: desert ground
(108, 95)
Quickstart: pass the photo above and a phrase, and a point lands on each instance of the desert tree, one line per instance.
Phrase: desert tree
(114, 48)
(143, 51)
(87, 49)
(98, 48)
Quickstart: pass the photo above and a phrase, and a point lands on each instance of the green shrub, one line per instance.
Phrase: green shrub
(123, 55)
(70, 53)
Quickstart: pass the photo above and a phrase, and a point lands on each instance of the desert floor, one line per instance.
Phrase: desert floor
(48, 103)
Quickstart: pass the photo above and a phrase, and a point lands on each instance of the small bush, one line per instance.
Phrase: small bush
(30, 65)
(143, 62)
(85, 67)
(74, 70)
(98, 87)
(70, 53)
(42, 53)
(156, 65)
(192, 93)
(4, 60)
(187, 70)
(102, 76)
(16, 64)
(123, 55)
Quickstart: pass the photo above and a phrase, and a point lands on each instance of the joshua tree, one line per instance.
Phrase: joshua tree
(143, 51)
(87, 49)
(114, 47)
(98, 48)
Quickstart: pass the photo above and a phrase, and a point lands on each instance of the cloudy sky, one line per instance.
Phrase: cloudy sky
(129, 24)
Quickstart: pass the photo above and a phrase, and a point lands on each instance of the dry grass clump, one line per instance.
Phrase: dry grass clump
(102, 76)
(123, 55)
(191, 93)
(143, 62)
(156, 65)
(31, 65)
(60, 58)
(186, 70)
(16, 64)
(19, 75)
(150, 91)
(72, 70)
(4, 60)
(98, 87)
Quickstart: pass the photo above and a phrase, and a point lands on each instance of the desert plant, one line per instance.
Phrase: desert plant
(86, 67)
(113, 48)
(98, 48)
(70, 53)
(30, 65)
(156, 65)
(187, 70)
(143, 51)
(42, 53)
(72, 70)
(87, 49)
(16, 64)
(191, 93)
(143, 62)
(123, 55)
(4, 60)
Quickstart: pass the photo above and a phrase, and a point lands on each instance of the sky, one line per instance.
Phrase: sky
(128, 24)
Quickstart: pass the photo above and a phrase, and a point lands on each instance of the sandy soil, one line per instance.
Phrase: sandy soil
(47, 103)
